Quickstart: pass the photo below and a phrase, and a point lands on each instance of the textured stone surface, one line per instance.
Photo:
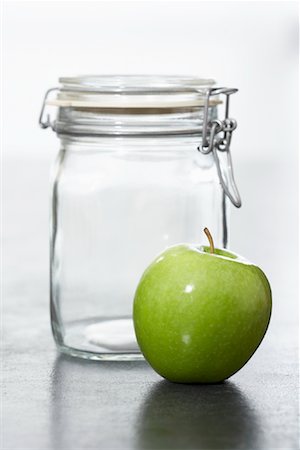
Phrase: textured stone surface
(57, 402)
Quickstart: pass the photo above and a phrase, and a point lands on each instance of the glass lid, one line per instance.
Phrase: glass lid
(132, 91)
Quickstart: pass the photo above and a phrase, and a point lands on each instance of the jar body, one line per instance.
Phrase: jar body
(117, 203)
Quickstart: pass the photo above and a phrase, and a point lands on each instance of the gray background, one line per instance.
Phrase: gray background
(51, 401)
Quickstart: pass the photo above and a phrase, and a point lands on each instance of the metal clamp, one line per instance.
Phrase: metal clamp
(212, 141)
(44, 119)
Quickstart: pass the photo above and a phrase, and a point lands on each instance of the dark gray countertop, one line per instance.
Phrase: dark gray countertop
(52, 401)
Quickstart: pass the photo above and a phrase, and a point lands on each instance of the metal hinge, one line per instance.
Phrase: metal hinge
(44, 119)
(216, 136)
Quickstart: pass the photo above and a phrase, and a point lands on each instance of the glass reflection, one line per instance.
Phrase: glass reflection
(120, 405)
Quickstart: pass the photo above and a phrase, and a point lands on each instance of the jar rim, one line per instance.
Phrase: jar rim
(133, 83)
(132, 91)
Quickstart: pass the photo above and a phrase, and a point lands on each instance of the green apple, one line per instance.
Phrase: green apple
(200, 313)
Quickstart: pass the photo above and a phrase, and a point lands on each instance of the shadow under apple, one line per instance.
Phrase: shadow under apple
(178, 416)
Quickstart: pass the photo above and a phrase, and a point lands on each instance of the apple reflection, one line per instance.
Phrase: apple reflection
(177, 416)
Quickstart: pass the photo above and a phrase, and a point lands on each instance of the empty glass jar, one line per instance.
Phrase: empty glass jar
(140, 168)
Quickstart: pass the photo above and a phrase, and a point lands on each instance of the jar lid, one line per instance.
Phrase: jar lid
(132, 91)
(146, 105)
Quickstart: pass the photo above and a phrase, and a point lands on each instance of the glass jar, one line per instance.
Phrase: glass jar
(139, 169)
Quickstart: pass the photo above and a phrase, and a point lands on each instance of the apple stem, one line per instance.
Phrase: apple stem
(211, 241)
